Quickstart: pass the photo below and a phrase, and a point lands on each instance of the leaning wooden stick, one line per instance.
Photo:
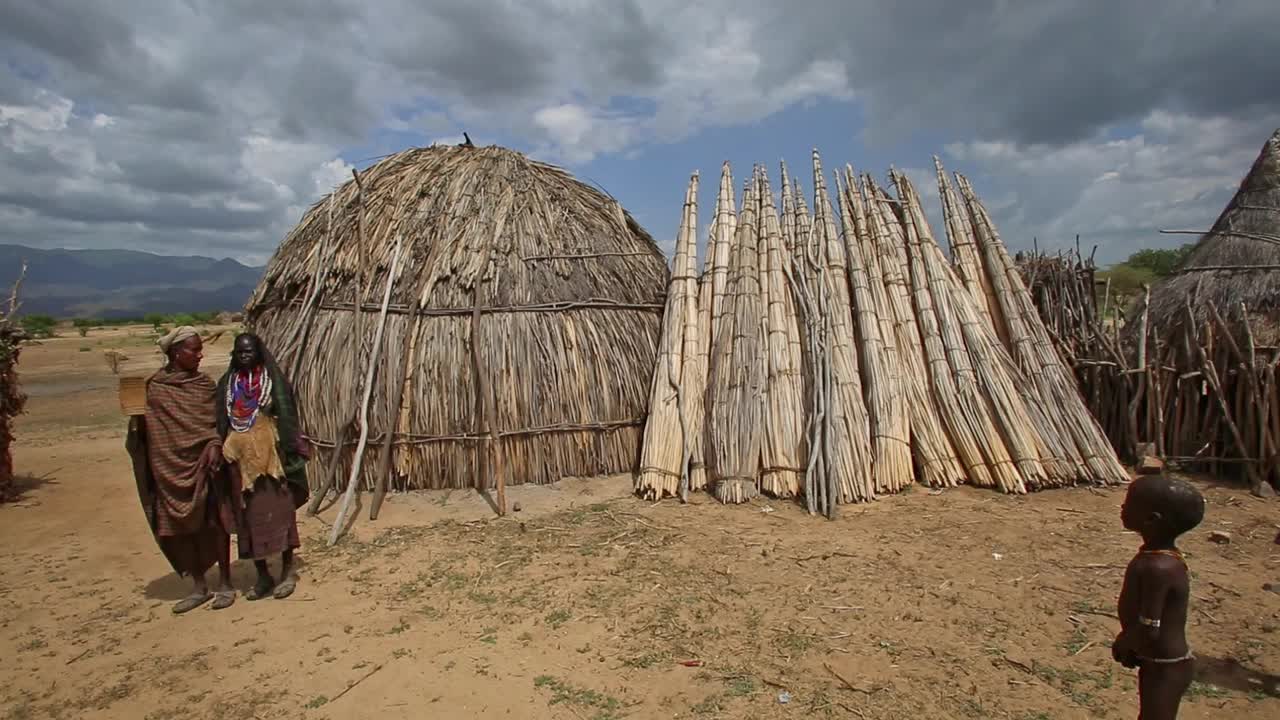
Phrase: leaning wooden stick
(375, 351)
(486, 405)
(395, 392)
(1215, 385)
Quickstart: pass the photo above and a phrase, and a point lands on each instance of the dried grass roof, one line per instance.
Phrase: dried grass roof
(1238, 260)
(484, 217)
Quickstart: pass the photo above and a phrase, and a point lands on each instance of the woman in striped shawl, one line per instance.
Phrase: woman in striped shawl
(177, 462)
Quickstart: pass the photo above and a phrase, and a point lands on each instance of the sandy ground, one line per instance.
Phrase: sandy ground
(592, 604)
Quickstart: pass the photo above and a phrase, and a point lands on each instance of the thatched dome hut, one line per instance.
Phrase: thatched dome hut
(559, 287)
(1236, 261)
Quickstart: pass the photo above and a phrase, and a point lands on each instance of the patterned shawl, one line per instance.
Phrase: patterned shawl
(180, 424)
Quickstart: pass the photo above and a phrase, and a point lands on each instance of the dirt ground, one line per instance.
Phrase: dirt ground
(592, 604)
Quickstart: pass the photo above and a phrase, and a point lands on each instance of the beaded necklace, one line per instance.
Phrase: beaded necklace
(247, 393)
(1171, 553)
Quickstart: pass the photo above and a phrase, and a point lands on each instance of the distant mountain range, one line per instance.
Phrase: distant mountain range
(111, 284)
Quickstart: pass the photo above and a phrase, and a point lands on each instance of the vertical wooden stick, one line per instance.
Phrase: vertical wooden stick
(1139, 394)
(1211, 375)
(374, 352)
(486, 402)
(394, 397)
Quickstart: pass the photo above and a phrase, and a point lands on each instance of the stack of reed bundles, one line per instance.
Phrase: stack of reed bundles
(848, 357)
(1038, 355)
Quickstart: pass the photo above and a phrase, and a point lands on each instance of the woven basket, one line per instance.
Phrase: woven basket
(133, 395)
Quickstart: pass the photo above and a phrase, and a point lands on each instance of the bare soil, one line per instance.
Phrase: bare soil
(592, 604)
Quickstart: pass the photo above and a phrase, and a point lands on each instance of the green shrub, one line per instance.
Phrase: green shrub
(39, 326)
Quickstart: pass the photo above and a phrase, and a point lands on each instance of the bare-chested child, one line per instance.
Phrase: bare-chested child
(1153, 599)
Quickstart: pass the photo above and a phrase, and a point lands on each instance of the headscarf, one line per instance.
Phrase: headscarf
(175, 336)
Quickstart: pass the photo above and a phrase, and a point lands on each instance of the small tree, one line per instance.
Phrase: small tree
(39, 326)
(1126, 283)
(83, 325)
(1160, 262)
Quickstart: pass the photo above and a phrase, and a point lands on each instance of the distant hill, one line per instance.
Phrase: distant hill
(124, 283)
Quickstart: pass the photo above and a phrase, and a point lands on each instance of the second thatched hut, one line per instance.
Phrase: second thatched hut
(1237, 262)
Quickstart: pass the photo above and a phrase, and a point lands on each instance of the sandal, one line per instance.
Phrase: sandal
(191, 602)
(223, 599)
(261, 589)
(286, 588)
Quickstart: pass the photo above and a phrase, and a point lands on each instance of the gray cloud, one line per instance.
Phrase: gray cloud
(216, 122)
(1058, 72)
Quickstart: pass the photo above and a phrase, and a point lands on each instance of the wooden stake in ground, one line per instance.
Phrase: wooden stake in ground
(803, 273)
(356, 463)
(486, 404)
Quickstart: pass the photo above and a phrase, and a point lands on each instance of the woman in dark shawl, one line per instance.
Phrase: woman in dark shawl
(262, 441)
(177, 462)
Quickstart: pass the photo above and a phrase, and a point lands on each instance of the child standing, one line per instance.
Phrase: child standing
(1155, 593)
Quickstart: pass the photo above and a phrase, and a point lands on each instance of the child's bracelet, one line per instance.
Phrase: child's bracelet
(1149, 622)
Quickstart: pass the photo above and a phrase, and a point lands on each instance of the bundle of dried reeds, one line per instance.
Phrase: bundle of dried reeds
(886, 402)
(987, 386)
(960, 425)
(663, 460)
(963, 413)
(848, 445)
(737, 369)
(964, 250)
(935, 456)
(715, 268)
(1035, 351)
(784, 404)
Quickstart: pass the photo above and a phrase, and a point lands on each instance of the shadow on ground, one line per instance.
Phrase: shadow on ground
(172, 588)
(1230, 674)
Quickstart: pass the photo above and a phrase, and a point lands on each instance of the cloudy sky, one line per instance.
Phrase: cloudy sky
(208, 126)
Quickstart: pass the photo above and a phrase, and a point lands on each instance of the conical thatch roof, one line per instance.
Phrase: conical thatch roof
(569, 290)
(1237, 261)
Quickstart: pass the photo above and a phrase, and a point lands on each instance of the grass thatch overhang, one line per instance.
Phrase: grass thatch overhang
(559, 286)
(1236, 261)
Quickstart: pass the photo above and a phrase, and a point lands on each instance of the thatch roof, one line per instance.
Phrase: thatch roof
(569, 290)
(1236, 261)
